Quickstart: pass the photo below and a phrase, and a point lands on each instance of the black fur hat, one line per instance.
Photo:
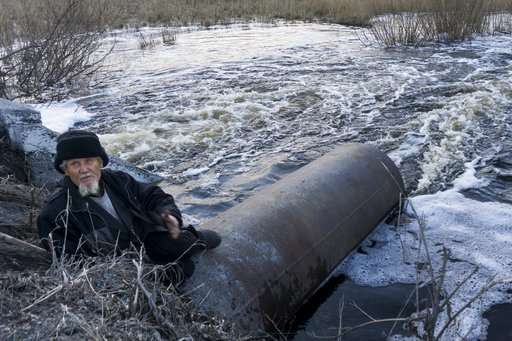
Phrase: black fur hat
(75, 144)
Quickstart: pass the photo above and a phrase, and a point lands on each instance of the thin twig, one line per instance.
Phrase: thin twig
(341, 307)
(362, 325)
(168, 327)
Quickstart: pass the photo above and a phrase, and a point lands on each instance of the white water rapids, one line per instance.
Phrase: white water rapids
(228, 110)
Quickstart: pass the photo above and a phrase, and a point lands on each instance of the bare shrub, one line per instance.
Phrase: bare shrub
(47, 45)
(398, 29)
(168, 37)
(457, 20)
(434, 21)
(146, 41)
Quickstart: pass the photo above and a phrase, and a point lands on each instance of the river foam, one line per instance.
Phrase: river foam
(477, 235)
(60, 116)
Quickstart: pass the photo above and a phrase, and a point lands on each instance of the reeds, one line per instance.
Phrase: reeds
(168, 37)
(439, 21)
(48, 44)
(350, 12)
(458, 19)
(115, 297)
(209, 12)
(449, 20)
(398, 29)
(448, 14)
(146, 41)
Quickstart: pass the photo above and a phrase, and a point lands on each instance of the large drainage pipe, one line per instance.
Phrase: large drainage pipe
(282, 243)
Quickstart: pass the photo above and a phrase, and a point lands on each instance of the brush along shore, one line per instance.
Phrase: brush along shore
(103, 298)
(48, 47)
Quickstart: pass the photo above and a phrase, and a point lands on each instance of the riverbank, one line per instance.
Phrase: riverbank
(104, 298)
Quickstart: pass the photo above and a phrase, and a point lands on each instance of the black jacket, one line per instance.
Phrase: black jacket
(77, 225)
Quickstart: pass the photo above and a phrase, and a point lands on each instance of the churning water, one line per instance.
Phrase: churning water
(226, 111)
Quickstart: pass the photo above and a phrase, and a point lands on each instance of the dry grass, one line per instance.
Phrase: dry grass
(110, 298)
(208, 12)
(438, 21)
(119, 298)
(48, 44)
(351, 12)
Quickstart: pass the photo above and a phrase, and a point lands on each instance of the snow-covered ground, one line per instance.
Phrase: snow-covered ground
(60, 116)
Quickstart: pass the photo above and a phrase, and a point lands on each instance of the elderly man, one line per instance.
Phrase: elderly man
(99, 211)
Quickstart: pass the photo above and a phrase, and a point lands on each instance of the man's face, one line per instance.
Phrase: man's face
(85, 173)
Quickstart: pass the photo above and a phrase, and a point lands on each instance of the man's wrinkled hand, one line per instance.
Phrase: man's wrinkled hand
(172, 225)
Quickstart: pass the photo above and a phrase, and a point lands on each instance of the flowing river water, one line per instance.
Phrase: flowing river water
(226, 111)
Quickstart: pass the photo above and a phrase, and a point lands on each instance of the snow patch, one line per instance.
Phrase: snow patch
(476, 234)
(60, 116)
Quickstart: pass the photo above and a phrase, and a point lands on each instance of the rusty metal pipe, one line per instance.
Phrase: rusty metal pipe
(282, 243)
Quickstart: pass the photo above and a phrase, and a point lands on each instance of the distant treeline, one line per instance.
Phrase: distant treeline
(48, 43)
(118, 13)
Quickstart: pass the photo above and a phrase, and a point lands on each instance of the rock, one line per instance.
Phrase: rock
(23, 194)
(25, 132)
(138, 173)
(19, 207)
(11, 162)
(18, 255)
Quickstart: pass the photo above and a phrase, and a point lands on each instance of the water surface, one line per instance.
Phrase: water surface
(227, 111)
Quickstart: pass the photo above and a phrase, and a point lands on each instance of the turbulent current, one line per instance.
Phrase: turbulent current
(226, 111)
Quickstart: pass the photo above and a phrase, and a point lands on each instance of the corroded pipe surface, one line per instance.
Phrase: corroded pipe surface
(282, 243)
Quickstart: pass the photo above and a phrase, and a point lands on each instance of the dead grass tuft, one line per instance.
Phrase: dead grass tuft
(109, 298)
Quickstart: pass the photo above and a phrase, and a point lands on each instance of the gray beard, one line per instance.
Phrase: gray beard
(93, 189)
